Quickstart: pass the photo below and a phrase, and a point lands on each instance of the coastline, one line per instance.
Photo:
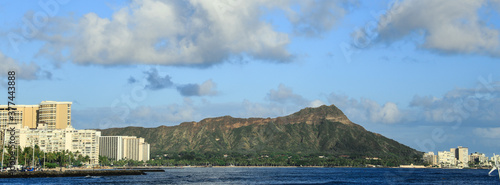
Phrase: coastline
(70, 173)
(109, 171)
(180, 167)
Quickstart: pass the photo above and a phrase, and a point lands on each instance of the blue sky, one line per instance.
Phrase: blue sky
(424, 73)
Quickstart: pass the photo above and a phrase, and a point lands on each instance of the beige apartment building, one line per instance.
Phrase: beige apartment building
(124, 147)
(25, 115)
(56, 115)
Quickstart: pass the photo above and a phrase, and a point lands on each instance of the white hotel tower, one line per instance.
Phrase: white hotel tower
(124, 147)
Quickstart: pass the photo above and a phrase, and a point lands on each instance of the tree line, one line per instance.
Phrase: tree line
(185, 158)
(268, 159)
(27, 157)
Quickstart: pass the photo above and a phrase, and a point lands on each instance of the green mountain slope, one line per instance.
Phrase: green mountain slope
(311, 130)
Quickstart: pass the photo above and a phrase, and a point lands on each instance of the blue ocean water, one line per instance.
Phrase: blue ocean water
(282, 176)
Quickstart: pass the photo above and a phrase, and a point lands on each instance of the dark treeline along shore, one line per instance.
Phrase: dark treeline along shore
(69, 173)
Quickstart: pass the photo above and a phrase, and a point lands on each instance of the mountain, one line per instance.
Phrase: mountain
(323, 129)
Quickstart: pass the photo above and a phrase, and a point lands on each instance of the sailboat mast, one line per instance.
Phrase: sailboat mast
(33, 155)
(3, 147)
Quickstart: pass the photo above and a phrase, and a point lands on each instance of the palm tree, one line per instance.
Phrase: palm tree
(76, 155)
(87, 159)
(51, 157)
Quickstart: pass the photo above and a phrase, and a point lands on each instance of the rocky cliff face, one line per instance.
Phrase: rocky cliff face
(311, 130)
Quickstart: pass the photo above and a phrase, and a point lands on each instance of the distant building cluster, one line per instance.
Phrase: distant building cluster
(457, 158)
(48, 125)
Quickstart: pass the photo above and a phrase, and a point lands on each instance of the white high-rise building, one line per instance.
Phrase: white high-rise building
(145, 151)
(111, 147)
(446, 159)
(124, 147)
(462, 155)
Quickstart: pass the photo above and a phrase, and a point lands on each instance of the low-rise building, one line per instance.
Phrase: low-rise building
(478, 158)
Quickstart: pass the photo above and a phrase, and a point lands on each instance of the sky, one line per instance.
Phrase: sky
(421, 72)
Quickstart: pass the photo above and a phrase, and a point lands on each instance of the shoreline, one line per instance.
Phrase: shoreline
(108, 171)
(180, 167)
(70, 173)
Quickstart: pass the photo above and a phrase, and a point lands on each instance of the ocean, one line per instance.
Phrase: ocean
(236, 175)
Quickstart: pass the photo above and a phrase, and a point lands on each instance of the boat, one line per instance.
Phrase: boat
(496, 166)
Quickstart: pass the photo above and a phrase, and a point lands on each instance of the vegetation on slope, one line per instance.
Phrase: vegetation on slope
(324, 130)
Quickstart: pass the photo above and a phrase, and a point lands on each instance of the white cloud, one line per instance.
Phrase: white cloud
(471, 106)
(186, 33)
(174, 114)
(490, 133)
(189, 110)
(144, 116)
(316, 103)
(448, 26)
(366, 110)
(254, 109)
(155, 81)
(316, 17)
(25, 71)
(175, 33)
(207, 88)
(389, 113)
(285, 95)
(475, 105)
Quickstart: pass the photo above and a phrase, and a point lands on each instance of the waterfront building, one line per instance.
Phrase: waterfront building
(478, 158)
(111, 147)
(456, 157)
(447, 159)
(430, 158)
(462, 156)
(124, 147)
(84, 142)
